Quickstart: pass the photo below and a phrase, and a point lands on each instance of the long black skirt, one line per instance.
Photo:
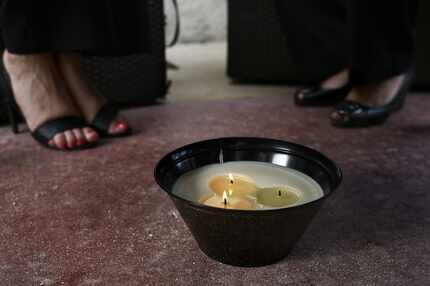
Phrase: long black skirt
(101, 27)
(374, 39)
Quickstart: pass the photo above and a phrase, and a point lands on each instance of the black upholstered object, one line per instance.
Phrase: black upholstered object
(134, 79)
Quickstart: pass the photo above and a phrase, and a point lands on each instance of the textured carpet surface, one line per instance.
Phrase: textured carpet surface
(97, 217)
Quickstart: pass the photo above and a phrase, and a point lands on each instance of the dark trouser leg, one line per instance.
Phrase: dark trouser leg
(316, 34)
(382, 38)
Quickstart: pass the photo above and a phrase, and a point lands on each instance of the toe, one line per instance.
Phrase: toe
(90, 134)
(60, 141)
(335, 115)
(80, 137)
(301, 95)
(70, 139)
(119, 126)
(340, 117)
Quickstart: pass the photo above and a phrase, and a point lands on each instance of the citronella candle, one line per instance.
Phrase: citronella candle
(247, 185)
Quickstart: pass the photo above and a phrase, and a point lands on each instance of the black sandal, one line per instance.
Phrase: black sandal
(104, 118)
(46, 131)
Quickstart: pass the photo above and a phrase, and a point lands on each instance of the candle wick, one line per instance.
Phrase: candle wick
(225, 201)
(279, 193)
(221, 155)
(231, 182)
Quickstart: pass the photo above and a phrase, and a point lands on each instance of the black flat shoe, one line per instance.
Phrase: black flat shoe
(317, 96)
(104, 118)
(47, 130)
(353, 114)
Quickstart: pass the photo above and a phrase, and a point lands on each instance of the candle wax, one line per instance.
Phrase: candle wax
(235, 185)
(277, 197)
(235, 203)
(195, 185)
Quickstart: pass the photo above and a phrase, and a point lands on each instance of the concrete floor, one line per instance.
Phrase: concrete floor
(97, 217)
(202, 76)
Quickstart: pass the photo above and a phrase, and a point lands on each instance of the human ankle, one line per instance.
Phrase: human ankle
(377, 94)
(337, 80)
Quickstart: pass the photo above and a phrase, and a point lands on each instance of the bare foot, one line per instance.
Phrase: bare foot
(337, 80)
(377, 94)
(87, 100)
(41, 94)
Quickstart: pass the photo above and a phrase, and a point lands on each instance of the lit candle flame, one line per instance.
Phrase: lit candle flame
(224, 198)
(230, 176)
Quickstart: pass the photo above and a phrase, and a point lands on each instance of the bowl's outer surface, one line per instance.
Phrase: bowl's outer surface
(247, 238)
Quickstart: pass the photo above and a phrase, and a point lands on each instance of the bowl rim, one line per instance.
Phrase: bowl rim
(317, 156)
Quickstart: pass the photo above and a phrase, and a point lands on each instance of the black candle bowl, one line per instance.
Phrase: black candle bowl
(242, 237)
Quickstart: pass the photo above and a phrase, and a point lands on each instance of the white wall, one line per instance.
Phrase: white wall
(203, 20)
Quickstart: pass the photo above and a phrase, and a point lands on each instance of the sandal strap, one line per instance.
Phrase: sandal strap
(45, 132)
(104, 117)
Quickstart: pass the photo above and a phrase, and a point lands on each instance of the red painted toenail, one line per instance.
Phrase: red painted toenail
(93, 136)
(120, 126)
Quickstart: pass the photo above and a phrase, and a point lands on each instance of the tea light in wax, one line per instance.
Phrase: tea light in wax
(227, 202)
(196, 185)
(236, 185)
(277, 197)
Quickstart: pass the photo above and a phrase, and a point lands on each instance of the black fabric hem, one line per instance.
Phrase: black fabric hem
(379, 73)
(90, 51)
